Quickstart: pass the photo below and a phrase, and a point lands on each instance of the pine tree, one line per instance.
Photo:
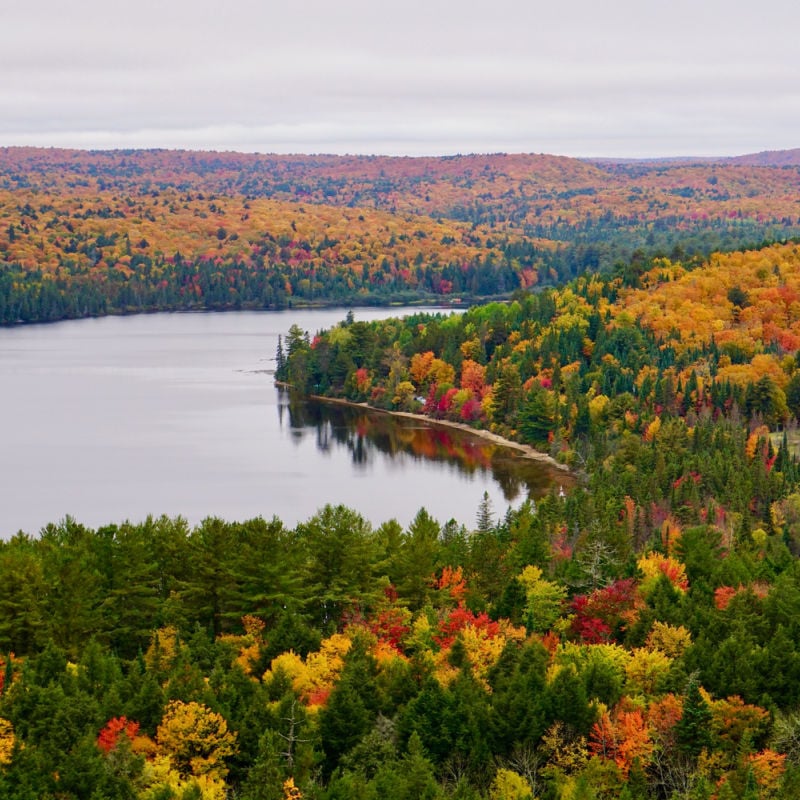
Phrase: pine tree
(485, 516)
(693, 728)
(343, 723)
(417, 770)
(280, 361)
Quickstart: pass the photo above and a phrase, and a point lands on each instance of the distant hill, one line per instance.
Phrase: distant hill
(142, 229)
(769, 158)
(766, 158)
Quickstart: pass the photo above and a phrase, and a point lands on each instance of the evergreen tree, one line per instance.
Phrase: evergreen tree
(343, 723)
(418, 781)
(280, 361)
(484, 521)
(693, 731)
(418, 559)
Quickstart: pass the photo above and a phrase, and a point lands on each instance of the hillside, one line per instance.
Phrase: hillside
(95, 252)
(769, 158)
(104, 232)
(523, 191)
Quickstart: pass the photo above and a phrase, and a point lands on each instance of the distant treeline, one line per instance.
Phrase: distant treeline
(96, 233)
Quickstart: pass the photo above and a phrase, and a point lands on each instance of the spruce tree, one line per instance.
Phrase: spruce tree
(280, 361)
(485, 517)
(695, 722)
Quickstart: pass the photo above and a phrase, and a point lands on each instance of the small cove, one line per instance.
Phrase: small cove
(120, 417)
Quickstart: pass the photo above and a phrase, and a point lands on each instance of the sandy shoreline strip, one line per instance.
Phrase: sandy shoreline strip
(525, 450)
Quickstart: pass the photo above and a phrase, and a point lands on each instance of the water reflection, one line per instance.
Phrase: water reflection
(366, 435)
(202, 437)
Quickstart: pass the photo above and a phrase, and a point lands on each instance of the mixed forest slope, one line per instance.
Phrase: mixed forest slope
(86, 233)
(637, 639)
(659, 336)
(769, 158)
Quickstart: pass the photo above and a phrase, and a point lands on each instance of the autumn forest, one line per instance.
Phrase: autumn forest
(634, 638)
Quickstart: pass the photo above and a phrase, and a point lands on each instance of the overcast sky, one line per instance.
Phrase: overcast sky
(573, 77)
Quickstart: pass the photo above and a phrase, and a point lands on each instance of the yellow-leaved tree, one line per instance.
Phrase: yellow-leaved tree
(290, 791)
(645, 671)
(196, 739)
(6, 741)
(654, 565)
(509, 785)
(671, 640)
(545, 599)
(165, 646)
(160, 779)
(314, 678)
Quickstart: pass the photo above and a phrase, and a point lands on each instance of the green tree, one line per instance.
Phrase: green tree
(537, 417)
(418, 559)
(418, 781)
(280, 361)
(131, 599)
(485, 518)
(693, 731)
(298, 359)
(22, 593)
(343, 723)
(339, 551)
(73, 583)
(765, 397)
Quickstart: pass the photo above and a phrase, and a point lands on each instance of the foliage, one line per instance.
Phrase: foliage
(410, 688)
(105, 232)
(633, 635)
(196, 738)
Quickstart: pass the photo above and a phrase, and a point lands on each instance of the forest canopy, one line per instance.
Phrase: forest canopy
(92, 233)
(340, 660)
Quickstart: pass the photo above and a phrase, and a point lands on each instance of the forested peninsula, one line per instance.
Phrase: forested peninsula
(636, 637)
(527, 451)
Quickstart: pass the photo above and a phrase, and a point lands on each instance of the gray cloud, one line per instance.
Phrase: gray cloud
(578, 78)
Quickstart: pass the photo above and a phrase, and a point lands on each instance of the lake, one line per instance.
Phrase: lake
(120, 417)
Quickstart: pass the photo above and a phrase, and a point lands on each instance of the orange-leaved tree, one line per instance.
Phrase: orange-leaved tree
(623, 738)
(114, 731)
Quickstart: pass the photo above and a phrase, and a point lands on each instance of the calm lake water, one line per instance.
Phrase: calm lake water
(117, 418)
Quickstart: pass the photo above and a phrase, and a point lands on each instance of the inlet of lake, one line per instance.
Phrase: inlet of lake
(118, 418)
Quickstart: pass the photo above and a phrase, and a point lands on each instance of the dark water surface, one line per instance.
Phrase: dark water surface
(121, 417)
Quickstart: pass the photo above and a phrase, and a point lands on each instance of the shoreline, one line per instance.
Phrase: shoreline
(525, 450)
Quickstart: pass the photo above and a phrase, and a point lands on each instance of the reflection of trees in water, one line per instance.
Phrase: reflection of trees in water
(510, 484)
(363, 434)
(520, 476)
(331, 427)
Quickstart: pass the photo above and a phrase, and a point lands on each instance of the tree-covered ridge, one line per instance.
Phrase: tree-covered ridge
(86, 233)
(636, 639)
(517, 190)
(339, 660)
(674, 393)
(69, 255)
(773, 158)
